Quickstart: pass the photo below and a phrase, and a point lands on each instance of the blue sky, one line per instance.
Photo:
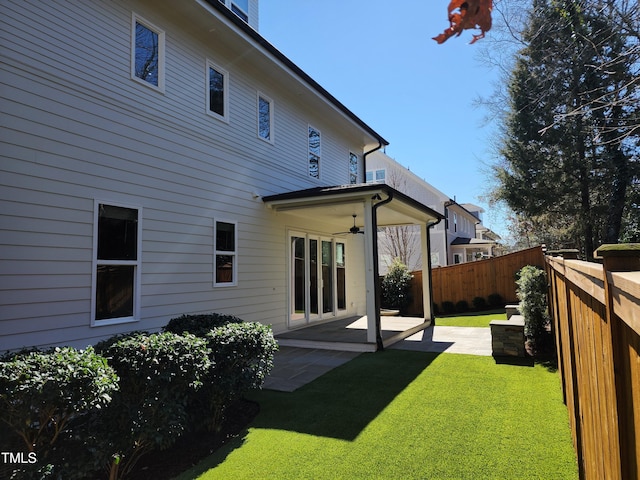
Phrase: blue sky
(377, 57)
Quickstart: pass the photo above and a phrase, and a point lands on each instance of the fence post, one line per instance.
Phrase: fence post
(620, 258)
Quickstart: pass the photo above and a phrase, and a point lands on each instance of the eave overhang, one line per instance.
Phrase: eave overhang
(338, 203)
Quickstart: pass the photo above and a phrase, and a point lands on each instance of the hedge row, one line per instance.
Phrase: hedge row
(93, 413)
(494, 300)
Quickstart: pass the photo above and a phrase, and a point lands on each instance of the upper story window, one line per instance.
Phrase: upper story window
(225, 258)
(147, 53)
(217, 91)
(314, 152)
(239, 7)
(117, 260)
(353, 168)
(265, 118)
(376, 176)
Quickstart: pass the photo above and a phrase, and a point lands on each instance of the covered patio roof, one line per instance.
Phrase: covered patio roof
(342, 201)
(370, 206)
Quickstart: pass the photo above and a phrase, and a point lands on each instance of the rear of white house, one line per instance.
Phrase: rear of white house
(139, 140)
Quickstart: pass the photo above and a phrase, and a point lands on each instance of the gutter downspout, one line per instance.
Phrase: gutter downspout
(376, 268)
(364, 158)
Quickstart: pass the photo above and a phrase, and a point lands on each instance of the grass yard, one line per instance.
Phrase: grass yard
(480, 319)
(407, 415)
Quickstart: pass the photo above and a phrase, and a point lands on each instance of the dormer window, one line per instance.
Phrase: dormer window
(239, 7)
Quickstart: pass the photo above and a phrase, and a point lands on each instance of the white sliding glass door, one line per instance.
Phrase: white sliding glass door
(317, 281)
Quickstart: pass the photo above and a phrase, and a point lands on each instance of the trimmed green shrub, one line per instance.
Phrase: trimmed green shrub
(396, 286)
(532, 292)
(479, 303)
(43, 395)
(448, 307)
(242, 357)
(462, 306)
(199, 324)
(159, 375)
(495, 300)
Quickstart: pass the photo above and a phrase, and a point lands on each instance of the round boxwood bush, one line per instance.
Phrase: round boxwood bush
(242, 357)
(159, 375)
(448, 307)
(479, 303)
(462, 306)
(199, 324)
(495, 300)
(43, 396)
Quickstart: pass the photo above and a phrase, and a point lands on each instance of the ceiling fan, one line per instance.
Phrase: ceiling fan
(354, 230)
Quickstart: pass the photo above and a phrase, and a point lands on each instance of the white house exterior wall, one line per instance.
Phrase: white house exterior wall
(77, 128)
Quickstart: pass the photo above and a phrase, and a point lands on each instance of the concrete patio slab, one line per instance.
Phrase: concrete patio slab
(295, 366)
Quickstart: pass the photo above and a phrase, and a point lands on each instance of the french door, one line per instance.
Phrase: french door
(317, 279)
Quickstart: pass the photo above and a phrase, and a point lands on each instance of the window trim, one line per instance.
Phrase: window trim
(135, 18)
(210, 64)
(266, 98)
(353, 155)
(233, 254)
(137, 264)
(309, 153)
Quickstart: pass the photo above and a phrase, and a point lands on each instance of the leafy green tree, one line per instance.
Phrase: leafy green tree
(569, 146)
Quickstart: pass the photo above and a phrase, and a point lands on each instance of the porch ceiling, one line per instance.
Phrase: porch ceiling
(339, 204)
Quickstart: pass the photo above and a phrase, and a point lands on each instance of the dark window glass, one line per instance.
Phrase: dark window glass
(353, 168)
(114, 291)
(147, 67)
(216, 91)
(225, 237)
(117, 233)
(224, 268)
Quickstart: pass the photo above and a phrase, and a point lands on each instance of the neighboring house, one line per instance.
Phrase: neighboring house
(459, 239)
(469, 240)
(161, 158)
(380, 168)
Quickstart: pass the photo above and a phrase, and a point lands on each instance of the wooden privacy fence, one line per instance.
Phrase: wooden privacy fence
(596, 320)
(476, 279)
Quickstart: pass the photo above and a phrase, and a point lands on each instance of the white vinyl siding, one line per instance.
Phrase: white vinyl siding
(72, 137)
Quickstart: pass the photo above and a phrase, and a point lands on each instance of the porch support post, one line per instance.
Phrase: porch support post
(426, 271)
(370, 280)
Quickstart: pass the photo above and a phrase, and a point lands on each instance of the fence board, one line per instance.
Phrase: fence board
(595, 319)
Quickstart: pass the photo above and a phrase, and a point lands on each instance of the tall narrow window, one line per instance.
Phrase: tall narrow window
(225, 261)
(117, 263)
(147, 53)
(314, 152)
(265, 118)
(353, 168)
(217, 91)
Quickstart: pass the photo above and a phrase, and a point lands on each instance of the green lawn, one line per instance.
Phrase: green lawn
(407, 415)
(480, 319)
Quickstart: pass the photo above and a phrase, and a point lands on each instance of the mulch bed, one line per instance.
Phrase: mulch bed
(193, 447)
